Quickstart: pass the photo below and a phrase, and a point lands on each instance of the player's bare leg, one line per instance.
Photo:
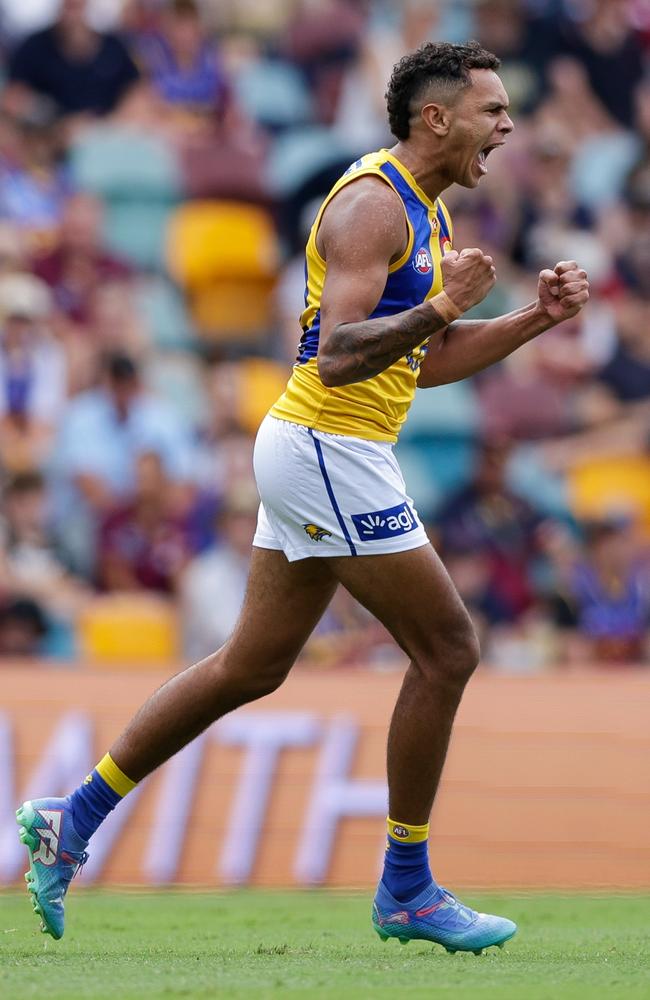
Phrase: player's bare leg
(412, 594)
(284, 601)
(282, 605)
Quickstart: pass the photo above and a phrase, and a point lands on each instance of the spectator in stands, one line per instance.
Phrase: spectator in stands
(182, 62)
(143, 543)
(323, 40)
(547, 388)
(604, 593)
(488, 517)
(221, 153)
(503, 26)
(32, 372)
(470, 566)
(603, 41)
(348, 635)
(33, 182)
(14, 254)
(83, 277)
(22, 628)
(361, 110)
(627, 372)
(30, 564)
(83, 71)
(79, 264)
(103, 432)
(212, 588)
(550, 214)
(634, 259)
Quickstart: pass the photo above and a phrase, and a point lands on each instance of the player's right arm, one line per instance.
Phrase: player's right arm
(362, 231)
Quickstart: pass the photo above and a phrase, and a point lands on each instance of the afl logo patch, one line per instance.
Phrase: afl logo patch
(400, 831)
(422, 261)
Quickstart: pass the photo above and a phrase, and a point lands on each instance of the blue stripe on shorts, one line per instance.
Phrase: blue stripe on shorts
(330, 492)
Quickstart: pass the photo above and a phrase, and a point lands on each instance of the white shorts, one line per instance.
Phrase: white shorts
(330, 494)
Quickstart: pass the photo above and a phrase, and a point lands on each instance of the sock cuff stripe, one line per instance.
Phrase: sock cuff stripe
(406, 833)
(108, 770)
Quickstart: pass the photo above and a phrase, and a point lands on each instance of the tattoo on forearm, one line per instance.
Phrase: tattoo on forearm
(359, 351)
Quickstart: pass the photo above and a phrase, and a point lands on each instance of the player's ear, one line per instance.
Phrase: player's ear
(437, 118)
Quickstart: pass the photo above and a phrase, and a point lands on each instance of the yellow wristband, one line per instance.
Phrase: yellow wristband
(445, 307)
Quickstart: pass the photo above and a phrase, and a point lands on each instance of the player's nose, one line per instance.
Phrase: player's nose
(506, 125)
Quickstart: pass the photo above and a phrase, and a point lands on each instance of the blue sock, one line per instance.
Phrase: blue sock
(406, 865)
(97, 796)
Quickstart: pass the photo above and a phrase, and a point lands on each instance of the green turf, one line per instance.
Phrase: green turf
(316, 944)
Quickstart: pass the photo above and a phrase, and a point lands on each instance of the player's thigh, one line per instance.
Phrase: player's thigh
(283, 603)
(412, 594)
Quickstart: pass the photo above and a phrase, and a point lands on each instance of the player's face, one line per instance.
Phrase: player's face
(479, 123)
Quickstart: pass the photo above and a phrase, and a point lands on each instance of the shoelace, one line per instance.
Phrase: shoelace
(78, 860)
(450, 898)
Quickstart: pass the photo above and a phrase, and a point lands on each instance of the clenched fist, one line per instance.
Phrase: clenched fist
(562, 292)
(467, 277)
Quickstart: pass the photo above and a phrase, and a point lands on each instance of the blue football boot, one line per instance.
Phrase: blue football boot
(436, 915)
(56, 853)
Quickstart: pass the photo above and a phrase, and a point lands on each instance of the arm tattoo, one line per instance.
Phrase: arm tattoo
(359, 351)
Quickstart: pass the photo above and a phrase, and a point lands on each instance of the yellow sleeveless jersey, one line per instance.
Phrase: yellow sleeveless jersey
(376, 408)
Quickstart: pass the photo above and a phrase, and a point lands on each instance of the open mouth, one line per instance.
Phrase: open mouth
(483, 155)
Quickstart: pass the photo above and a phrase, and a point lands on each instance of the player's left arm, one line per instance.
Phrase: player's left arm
(468, 346)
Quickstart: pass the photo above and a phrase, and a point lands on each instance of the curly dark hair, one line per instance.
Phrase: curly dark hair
(442, 62)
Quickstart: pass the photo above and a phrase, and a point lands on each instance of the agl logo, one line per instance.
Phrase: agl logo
(377, 524)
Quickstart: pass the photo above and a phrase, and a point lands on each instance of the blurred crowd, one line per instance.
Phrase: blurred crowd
(161, 162)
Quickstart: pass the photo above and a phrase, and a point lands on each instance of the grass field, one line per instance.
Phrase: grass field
(316, 944)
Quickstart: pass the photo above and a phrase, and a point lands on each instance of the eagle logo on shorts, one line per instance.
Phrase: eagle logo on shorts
(315, 533)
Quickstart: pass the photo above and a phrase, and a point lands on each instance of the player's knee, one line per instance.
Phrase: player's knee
(252, 681)
(453, 653)
(470, 651)
(260, 684)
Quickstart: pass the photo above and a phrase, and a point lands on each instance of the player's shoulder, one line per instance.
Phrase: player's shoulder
(363, 204)
(365, 214)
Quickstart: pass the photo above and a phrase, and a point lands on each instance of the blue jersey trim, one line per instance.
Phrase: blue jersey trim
(444, 228)
(330, 492)
(308, 346)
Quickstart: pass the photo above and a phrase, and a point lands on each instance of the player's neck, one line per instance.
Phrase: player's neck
(428, 176)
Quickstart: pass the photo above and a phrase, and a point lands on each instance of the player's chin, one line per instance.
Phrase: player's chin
(469, 180)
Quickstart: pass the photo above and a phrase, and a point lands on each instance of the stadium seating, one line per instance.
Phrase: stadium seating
(162, 308)
(273, 94)
(138, 179)
(619, 484)
(176, 377)
(223, 165)
(120, 631)
(300, 153)
(225, 255)
(263, 381)
(438, 443)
